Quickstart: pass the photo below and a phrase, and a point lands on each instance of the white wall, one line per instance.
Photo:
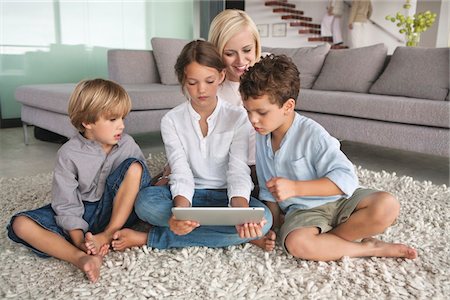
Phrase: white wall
(263, 15)
(316, 9)
(443, 32)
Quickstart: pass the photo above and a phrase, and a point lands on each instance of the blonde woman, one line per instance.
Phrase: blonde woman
(237, 39)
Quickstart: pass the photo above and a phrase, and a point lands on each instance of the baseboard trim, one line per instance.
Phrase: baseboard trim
(10, 123)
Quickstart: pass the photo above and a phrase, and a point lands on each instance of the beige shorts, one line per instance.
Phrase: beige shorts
(324, 217)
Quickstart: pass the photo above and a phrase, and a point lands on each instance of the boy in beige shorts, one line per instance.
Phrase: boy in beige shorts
(303, 174)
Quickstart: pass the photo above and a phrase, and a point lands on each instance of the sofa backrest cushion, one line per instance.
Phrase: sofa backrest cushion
(415, 72)
(166, 51)
(309, 61)
(351, 70)
(132, 66)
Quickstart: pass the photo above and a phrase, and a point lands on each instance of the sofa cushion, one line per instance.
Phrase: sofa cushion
(166, 51)
(126, 66)
(309, 61)
(352, 70)
(154, 96)
(415, 72)
(51, 97)
(393, 109)
(55, 97)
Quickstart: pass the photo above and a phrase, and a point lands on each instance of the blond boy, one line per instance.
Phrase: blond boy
(97, 176)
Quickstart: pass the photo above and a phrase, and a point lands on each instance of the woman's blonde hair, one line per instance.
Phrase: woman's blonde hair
(97, 98)
(227, 24)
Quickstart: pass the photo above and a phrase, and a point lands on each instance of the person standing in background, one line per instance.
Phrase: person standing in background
(360, 13)
(331, 22)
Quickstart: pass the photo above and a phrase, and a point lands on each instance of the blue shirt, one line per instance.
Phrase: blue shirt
(307, 152)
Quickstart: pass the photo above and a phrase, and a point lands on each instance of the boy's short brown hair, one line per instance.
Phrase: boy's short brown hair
(97, 98)
(275, 76)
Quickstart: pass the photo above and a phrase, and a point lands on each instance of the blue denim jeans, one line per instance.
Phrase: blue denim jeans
(96, 214)
(154, 206)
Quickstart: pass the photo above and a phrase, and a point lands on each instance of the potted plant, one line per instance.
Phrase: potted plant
(412, 26)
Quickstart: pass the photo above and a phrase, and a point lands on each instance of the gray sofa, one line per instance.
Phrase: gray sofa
(362, 95)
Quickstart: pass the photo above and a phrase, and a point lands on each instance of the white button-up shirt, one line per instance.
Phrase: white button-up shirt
(215, 161)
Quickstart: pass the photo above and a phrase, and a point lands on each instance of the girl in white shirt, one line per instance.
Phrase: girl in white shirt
(206, 142)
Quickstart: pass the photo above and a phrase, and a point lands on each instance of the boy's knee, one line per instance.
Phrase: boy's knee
(298, 245)
(135, 170)
(20, 225)
(386, 209)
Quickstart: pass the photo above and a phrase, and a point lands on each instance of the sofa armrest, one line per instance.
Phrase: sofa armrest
(132, 66)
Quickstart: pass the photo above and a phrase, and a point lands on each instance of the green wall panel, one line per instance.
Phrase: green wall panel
(45, 41)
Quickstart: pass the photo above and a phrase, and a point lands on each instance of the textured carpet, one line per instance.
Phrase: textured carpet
(240, 272)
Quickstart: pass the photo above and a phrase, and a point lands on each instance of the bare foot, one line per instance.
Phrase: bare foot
(95, 243)
(90, 265)
(127, 238)
(267, 243)
(383, 249)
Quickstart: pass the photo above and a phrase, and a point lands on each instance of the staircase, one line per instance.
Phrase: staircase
(296, 18)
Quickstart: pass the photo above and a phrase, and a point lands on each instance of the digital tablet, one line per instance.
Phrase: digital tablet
(225, 216)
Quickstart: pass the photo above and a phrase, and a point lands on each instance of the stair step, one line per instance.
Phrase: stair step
(296, 17)
(307, 31)
(287, 11)
(336, 47)
(321, 39)
(304, 24)
(279, 3)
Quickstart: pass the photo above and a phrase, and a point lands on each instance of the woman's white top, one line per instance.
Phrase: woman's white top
(215, 161)
(229, 92)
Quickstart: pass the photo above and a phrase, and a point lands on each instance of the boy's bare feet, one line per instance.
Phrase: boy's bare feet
(383, 249)
(95, 244)
(127, 238)
(267, 242)
(90, 265)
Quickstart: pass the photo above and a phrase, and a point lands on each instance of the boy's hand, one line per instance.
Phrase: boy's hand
(247, 230)
(250, 230)
(282, 188)
(181, 227)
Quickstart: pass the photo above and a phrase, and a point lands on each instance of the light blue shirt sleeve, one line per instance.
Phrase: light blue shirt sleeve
(331, 162)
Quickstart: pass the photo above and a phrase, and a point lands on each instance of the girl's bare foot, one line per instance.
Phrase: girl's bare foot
(267, 243)
(96, 243)
(383, 249)
(90, 265)
(127, 238)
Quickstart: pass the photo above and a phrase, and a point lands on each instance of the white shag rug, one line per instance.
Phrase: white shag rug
(240, 272)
